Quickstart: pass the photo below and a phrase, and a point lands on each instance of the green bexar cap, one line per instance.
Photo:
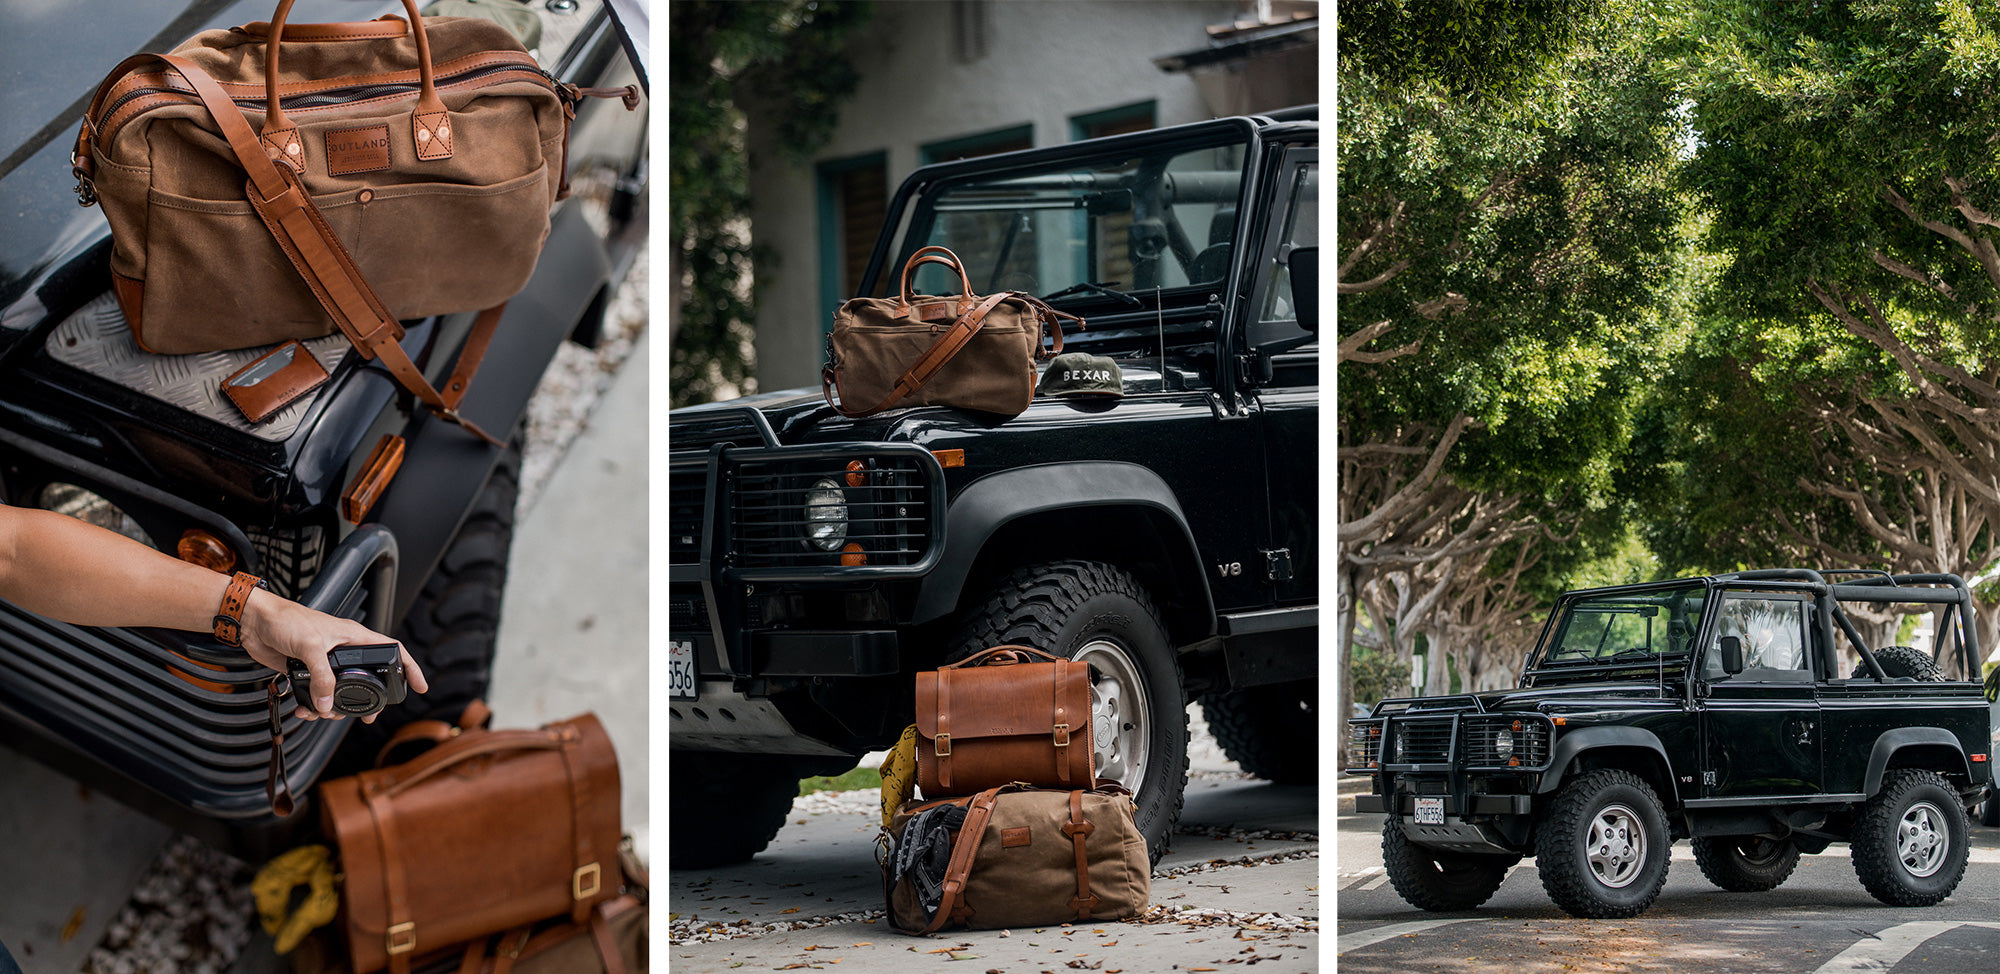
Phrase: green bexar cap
(1081, 374)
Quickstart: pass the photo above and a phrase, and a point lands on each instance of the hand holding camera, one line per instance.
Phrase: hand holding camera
(366, 678)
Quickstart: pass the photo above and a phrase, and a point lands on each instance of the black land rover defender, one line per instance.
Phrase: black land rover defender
(172, 722)
(1166, 536)
(1728, 710)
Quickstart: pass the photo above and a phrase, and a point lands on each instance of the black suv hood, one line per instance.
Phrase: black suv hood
(1566, 697)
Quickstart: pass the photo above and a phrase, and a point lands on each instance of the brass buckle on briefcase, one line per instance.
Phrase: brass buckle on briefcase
(944, 745)
(585, 874)
(407, 930)
(1062, 735)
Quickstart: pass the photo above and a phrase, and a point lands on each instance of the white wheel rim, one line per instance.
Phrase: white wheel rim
(1921, 839)
(1120, 715)
(1615, 846)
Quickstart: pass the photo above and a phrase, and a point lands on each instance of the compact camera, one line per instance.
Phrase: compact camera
(365, 679)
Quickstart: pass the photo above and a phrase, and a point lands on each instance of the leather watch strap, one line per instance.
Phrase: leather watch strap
(229, 615)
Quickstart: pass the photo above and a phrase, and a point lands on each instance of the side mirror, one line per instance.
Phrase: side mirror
(1303, 265)
(1732, 655)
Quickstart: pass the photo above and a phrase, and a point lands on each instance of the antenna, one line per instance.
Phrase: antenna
(1160, 327)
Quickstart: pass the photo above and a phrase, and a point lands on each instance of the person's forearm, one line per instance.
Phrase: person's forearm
(62, 568)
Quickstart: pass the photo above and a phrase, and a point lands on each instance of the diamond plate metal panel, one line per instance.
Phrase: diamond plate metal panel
(96, 340)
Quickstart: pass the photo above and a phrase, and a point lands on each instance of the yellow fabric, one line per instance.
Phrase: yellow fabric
(899, 774)
(310, 866)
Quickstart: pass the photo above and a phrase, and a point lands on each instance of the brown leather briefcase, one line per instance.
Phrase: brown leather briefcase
(1020, 857)
(964, 351)
(999, 717)
(487, 832)
(396, 169)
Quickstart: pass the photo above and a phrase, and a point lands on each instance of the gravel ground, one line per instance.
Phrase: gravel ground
(192, 912)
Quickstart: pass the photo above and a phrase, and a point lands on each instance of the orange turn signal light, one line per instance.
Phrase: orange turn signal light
(853, 555)
(373, 480)
(949, 458)
(198, 547)
(1560, 721)
(857, 474)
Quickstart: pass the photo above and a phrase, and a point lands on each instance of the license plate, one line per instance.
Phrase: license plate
(1430, 811)
(680, 670)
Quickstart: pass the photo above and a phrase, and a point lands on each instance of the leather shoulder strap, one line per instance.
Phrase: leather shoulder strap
(962, 853)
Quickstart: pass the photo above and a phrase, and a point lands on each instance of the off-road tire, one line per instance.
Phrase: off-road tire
(1745, 863)
(1911, 805)
(1903, 661)
(453, 625)
(1625, 801)
(1066, 608)
(723, 809)
(1439, 881)
(1269, 731)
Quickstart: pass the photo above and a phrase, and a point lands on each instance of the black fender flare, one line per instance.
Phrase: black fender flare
(1573, 745)
(1895, 739)
(987, 505)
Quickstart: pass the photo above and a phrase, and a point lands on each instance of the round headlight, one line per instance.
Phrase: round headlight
(1503, 743)
(826, 515)
(84, 505)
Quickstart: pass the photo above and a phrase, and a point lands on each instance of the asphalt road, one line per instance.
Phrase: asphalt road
(1819, 922)
(1240, 887)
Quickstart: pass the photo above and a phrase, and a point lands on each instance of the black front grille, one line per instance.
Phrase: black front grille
(1364, 745)
(198, 735)
(1423, 741)
(884, 497)
(1530, 737)
(290, 557)
(687, 494)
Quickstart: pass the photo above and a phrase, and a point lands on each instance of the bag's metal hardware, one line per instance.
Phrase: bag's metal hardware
(1062, 735)
(944, 745)
(406, 930)
(587, 881)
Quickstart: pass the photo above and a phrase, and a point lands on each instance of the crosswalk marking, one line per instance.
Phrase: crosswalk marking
(1376, 882)
(1890, 946)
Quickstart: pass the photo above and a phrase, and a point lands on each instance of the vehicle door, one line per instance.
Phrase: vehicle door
(1761, 728)
(1282, 382)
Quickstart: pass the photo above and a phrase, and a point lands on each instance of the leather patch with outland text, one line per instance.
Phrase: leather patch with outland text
(358, 150)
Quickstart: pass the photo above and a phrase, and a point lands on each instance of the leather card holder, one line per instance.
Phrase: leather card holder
(275, 380)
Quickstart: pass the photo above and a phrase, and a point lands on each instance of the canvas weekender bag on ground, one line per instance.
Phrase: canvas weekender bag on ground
(1015, 856)
(1006, 714)
(964, 351)
(396, 169)
(487, 832)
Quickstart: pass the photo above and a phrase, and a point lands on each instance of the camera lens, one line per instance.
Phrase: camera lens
(359, 693)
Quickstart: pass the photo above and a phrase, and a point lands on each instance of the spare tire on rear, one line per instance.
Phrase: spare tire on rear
(1903, 661)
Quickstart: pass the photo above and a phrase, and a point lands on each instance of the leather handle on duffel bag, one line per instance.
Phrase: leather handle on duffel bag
(990, 656)
(934, 255)
(915, 376)
(302, 233)
(430, 133)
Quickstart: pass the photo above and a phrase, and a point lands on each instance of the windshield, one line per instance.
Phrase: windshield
(1630, 627)
(1084, 231)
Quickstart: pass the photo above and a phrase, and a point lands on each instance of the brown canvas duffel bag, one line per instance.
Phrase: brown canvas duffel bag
(1021, 857)
(963, 351)
(999, 716)
(398, 169)
(487, 832)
